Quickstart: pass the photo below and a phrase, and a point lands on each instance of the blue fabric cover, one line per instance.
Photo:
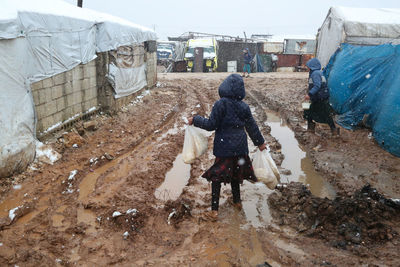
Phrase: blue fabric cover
(230, 117)
(364, 85)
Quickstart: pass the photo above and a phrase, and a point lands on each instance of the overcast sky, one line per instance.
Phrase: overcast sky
(230, 17)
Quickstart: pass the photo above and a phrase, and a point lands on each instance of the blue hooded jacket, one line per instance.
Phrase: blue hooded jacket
(230, 117)
(318, 90)
(247, 56)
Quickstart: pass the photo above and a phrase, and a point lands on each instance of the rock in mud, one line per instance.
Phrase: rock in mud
(366, 217)
(90, 125)
(73, 138)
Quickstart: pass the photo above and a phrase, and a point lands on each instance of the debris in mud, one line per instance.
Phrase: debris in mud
(366, 217)
(178, 211)
(46, 154)
(15, 213)
(108, 156)
(73, 138)
(130, 221)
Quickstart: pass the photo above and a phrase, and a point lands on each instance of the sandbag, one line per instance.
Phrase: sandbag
(265, 169)
(194, 145)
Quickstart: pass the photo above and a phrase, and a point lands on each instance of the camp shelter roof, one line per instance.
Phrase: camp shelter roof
(40, 17)
(39, 39)
(357, 26)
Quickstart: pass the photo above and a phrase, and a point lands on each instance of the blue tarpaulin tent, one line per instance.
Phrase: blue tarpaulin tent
(364, 84)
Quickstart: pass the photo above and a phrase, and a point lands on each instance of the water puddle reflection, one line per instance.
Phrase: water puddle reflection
(296, 160)
(175, 180)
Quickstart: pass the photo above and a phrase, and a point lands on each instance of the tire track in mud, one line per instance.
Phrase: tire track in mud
(106, 168)
(148, 135)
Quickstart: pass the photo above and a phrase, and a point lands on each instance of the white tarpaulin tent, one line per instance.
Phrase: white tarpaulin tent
(39, 39)
(357, 26)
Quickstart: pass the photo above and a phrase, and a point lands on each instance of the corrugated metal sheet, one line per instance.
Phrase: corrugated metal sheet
(230, 51)
(273, 47)
(299, 46)
(285, 60)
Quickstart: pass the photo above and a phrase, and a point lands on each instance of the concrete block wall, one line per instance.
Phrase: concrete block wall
(105, 91)
(151, 71)
(72, 93)
(64, 96)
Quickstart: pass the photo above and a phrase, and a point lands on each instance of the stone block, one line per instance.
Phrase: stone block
(56, 92)
(77, 73)
(77, 97)
(68, 88)
(47, 122)
(40, 111)
(60, 103)
(68, 76)
(86, 106)
(92, 71)
(85, 84)
(37, 85)
(35, 95)
(58, 117)
(77, 109)
(89, 70)
(44, 96)
(92, 81)
(70, 100)
(76, 85)
(51, 107)
(68, 112)
(89, 94)
(47, 83)
(59, 79)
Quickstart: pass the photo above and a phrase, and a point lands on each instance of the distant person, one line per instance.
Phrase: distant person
(247, 61)
(274, 59)
(320, 110)
(231, 118)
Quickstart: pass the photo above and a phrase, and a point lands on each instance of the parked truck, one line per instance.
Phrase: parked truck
(210, 48)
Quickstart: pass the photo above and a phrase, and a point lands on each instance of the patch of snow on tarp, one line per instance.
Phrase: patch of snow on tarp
(39, 39)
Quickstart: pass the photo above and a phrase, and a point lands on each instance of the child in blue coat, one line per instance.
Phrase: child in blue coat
(231, 118)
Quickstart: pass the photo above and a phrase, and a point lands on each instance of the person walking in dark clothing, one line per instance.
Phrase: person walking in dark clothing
(247, 61)
(231, 118)
(320, 110)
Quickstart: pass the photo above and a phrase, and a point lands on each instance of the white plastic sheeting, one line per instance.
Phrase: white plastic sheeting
(39, 39)
(127, 70)
(127, 80)
(359, 26)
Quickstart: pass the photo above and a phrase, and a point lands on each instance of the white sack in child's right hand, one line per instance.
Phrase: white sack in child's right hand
(194, 145)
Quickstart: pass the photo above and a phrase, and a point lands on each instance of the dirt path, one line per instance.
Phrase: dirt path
(106, 202)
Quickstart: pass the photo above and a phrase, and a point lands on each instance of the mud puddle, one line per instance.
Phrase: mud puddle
(175, 180)
(296, 160)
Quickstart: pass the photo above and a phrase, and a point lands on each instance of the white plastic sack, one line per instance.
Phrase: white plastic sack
(265, 169)
(194, 145)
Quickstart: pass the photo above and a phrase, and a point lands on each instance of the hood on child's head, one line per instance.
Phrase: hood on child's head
(232, 87)
(313, 64)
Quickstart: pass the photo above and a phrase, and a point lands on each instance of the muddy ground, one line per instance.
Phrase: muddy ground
(105, 201)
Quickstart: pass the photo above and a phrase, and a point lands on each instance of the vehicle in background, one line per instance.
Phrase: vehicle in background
(210, 48)
(165, 52)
